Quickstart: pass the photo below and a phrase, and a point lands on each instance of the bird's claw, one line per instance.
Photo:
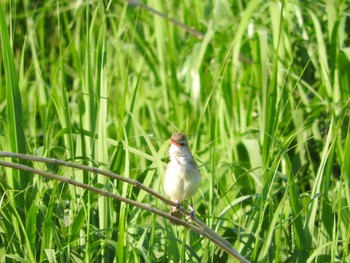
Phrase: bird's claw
(178, 204)
(190, 217)
(177, 207)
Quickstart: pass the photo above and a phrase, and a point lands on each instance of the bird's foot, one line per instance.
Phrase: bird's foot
(175, 211)
(178, 204)
(176, 208)
(190, 217)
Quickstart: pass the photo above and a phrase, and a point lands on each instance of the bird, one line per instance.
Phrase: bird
(182, 176)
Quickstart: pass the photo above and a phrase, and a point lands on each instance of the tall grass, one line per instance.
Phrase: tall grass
(263, 96)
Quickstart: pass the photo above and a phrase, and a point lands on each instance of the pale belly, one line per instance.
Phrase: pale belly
(181, 181)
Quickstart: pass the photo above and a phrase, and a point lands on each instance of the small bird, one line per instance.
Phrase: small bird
(182, 176)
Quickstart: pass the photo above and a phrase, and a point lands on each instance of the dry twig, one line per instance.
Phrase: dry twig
(201, 229)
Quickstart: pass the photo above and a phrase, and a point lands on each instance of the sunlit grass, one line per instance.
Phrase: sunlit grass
(263, 96)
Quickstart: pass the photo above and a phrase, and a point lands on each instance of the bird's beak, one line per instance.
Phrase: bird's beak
(174, 142)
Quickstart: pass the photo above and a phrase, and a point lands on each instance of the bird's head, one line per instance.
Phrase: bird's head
(178, 145)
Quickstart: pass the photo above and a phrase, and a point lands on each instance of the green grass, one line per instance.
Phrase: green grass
(263, 96)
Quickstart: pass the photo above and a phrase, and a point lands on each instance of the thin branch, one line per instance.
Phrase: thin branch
(187, 28)
(88, 169)
(91, 188)
(202, 230)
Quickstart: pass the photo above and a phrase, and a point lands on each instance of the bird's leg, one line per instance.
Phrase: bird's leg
(190, 217)
(178, 204)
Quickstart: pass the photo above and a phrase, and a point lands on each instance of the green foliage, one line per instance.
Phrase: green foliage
(263, 96)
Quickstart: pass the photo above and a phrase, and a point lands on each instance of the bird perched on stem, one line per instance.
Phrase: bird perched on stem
(182, 176)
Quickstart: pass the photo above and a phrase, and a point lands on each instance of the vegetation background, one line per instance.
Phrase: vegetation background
(263, 94)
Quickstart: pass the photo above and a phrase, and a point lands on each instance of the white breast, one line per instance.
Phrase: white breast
(182, 179)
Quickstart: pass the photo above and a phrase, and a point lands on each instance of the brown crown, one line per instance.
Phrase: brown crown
(179, 137)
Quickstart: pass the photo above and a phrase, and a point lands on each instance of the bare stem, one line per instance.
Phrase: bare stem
(203, 229)
(187, 28)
